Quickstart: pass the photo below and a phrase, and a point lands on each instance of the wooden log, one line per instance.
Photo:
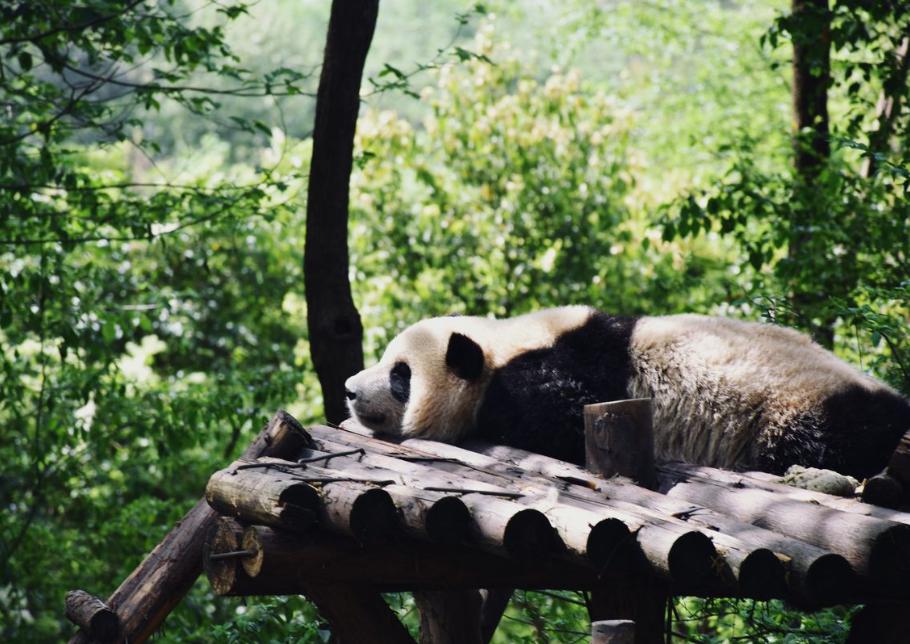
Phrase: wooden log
(268, 500)
(899, 464)
(880, 623)
(271, 496)
(764, 572)
(816, 576)
(282, 563)
(884, 490)
(671, 547)
(357, 615)
(580, 530)
(449, 616)
(619, 439)
(877, 549)
(495, 602)
(92, 615)
(672, 472)
(613, 631)
(757, 570)
(151, 591)
(222, 558)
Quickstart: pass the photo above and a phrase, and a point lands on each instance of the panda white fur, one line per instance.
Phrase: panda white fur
(726, 393)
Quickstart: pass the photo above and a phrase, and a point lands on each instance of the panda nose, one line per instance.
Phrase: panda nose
(350, 395)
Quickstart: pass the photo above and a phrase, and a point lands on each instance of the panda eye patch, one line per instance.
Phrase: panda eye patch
(400, 382)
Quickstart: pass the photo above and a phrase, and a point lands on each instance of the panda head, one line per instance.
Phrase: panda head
(429, 383)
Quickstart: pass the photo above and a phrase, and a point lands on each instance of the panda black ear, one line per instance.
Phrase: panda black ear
(464, 357)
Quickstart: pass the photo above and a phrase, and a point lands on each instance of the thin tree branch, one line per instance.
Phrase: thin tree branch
(94, 22)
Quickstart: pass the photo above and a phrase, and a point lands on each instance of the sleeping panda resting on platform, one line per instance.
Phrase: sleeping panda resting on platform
(726, 393)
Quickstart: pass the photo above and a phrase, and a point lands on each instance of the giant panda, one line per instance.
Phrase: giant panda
(726, 393)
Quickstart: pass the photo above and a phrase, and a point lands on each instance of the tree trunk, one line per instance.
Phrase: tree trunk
(335, 331)
(811, 35)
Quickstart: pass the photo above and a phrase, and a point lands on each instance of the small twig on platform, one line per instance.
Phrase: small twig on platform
(342, 479)
(328, 457)
(232, 554)
(457, 490)
(685, 515)
(300, 464)
(427, 459)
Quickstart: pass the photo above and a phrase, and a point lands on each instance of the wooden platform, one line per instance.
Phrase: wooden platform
(356, 507)
(344, 515)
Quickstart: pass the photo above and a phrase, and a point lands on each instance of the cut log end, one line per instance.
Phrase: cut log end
(613, 550)
(691, 559)
(889, 561)
(883, 490)
(373, 516)
(762, 575)
(829, 579)
(224, 537)
(448, 521)
(300, 506)
(91, 614)
(528, 535)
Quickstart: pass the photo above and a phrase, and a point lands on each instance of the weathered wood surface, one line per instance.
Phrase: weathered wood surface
(670, 473)
(877, 549)
(619, 440)
(814, 576)
(92, 615)
(671, 546)
(817, 576)
(149, 594)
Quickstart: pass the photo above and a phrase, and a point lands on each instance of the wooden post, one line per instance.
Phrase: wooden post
(449, 616)
(613, 631)
(899, 465)
(880, 622)
(495, 602)
(149, 594)
(619, 440)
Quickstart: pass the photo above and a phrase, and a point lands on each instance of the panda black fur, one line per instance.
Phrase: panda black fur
(726, 393)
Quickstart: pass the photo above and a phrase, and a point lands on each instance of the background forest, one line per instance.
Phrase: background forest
(642, 157)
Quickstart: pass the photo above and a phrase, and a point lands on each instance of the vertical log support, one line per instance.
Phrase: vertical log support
(619, 440)
(495, 602)
(449, 616)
